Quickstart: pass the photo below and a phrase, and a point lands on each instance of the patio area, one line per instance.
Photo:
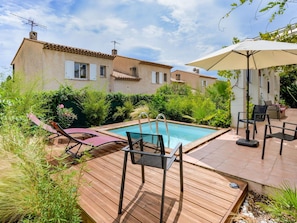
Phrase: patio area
(207, 195)
(224, 155)
(208, 171)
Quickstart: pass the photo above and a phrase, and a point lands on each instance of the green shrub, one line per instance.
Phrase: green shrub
(178, 108)
(203, 110)
(30, 189)
(65, 116)
(123, 112)
(115, 100)
(142, 108)
(283, 204)
(29, 192)
(95, 107)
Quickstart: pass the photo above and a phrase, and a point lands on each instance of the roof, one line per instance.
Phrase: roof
(155, 64)
(74, 50)
(121, 76)
(147, 62)
(177, 81)
(193, 73)
(66, 49)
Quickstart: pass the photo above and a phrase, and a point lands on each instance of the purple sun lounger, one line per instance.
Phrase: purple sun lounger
(51, 130)
(92, 143)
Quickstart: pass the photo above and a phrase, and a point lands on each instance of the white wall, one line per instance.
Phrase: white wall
(258, 90)
(238, 104)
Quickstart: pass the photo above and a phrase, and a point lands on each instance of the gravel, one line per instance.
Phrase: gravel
(250, 212)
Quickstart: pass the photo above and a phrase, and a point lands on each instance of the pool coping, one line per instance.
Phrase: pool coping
(186, 148)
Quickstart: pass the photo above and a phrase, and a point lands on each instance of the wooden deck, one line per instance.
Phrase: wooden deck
(207, 195)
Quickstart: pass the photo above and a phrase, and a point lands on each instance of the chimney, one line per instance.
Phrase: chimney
(114, 52)
(33, 35)
(196, 70)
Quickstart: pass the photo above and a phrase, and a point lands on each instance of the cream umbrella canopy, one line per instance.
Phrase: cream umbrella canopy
(249, 54)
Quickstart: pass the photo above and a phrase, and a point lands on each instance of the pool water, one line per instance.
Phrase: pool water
(177, 132)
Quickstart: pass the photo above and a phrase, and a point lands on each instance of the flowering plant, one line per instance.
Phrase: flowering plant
(65, 116)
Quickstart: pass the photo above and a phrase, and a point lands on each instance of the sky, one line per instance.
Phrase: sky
(171, 32)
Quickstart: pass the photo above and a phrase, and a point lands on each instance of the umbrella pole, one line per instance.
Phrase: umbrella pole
(247, 141)
(247, 131)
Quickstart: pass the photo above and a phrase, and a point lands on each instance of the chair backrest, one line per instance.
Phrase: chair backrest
(146, 149)
(60, 130)
(287, 129)
(40, 123)
(259, 113)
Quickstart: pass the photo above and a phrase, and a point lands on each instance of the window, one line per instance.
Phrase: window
(157, 77)
(204, 83)
(165, 77)
(102, 71)
(80, 71)
(177, 77)
(134, 71)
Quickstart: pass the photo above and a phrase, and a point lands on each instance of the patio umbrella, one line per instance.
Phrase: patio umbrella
(249, 54)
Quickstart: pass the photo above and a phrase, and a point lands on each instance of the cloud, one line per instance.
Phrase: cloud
(173, 32)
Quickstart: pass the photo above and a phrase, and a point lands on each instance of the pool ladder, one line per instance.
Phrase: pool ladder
(159, 116)
(139, 121)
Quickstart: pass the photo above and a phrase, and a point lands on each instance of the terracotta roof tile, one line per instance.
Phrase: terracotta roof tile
(122, 76)
(177, 81)
(68, 49)
(155, 64)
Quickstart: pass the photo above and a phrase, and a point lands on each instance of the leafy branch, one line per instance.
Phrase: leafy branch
(280, 7)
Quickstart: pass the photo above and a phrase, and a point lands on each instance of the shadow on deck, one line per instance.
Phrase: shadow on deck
(207, 195)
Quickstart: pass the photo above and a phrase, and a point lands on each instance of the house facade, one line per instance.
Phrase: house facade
(133, 76)
(195, 80)
(264, 85)
(50, 65)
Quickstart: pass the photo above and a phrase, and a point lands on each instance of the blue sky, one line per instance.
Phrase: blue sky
(172, 32)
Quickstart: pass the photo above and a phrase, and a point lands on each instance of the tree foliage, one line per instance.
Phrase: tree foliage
(288, 74)
(275, 7)
(177, 102)
(288, 84)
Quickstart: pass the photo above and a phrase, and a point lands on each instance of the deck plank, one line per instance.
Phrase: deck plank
(207, 196)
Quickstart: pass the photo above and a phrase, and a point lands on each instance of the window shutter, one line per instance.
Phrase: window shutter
(160, 78)
(93, 72)
(69, 69)
(153, 77)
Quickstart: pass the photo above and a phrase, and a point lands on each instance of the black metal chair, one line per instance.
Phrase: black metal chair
(258, 115)
(149, 150)
(287, 134)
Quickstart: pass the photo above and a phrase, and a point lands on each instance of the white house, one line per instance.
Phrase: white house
(264, 85)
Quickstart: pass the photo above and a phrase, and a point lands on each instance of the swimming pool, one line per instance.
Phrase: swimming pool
(177, 132)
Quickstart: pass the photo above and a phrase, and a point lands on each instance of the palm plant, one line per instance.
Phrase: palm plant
(283, 204)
